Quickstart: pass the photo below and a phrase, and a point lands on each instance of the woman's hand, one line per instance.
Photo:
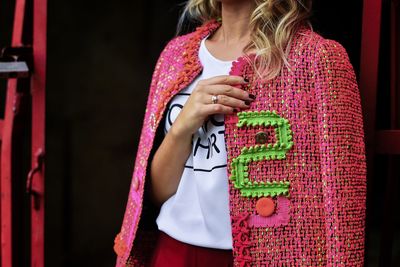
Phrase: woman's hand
(169, 160)
(199, 105)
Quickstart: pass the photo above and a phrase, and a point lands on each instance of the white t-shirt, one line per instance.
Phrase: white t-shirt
(198, 213)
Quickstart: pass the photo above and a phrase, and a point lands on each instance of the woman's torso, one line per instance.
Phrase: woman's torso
(198, 213)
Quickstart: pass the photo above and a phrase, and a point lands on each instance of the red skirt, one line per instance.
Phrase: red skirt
(171, 252)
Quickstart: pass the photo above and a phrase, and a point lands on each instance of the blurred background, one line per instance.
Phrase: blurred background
(100, 57)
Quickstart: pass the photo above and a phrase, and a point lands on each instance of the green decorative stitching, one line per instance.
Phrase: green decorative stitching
(239, 171)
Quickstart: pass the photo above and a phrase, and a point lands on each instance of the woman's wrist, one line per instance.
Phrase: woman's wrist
(179, 133)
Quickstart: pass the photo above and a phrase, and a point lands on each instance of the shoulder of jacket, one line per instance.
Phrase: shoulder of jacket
(326, 47)
(171, 53)
(316, 43)
(177, 44)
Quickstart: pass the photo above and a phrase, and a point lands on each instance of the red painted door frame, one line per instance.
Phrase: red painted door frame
(6, 147)
(35, 183)
(35, 179)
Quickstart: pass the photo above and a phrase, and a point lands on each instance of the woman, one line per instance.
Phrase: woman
(263, 161)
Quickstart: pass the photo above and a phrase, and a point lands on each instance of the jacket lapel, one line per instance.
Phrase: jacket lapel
(190, 70)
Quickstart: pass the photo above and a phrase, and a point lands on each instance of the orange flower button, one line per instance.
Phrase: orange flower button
(265, 206)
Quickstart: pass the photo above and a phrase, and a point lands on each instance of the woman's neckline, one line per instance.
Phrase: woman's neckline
(207, 51)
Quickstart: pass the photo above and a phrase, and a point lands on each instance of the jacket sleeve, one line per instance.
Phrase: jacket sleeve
(342, 154)
(124, 239)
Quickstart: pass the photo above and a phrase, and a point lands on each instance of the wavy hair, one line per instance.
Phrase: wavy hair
(273, 24)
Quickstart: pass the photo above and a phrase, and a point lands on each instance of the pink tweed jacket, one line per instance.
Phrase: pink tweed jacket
(296, 158)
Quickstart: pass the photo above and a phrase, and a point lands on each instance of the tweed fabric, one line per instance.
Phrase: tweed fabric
(312, 165)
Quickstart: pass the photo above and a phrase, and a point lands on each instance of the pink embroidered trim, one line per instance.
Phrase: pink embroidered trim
(281, 217)
(241, 240)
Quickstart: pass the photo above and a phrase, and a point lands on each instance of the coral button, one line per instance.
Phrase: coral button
(119, 245)
(265, 206)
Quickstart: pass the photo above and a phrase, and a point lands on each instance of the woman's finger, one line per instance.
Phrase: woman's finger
(228, 91)
(223, 79)
(217, 109)
(227, 101)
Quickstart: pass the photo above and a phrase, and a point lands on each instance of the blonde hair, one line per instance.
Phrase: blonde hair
(273, 24)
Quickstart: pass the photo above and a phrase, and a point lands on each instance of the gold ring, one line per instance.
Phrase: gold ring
(214, 99)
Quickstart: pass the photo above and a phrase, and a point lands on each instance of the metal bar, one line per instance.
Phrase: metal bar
(18, 27)
(6, 147)
(13, 70)
(38, 83)
(369, 60)
(370, 43)
(6, 175)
